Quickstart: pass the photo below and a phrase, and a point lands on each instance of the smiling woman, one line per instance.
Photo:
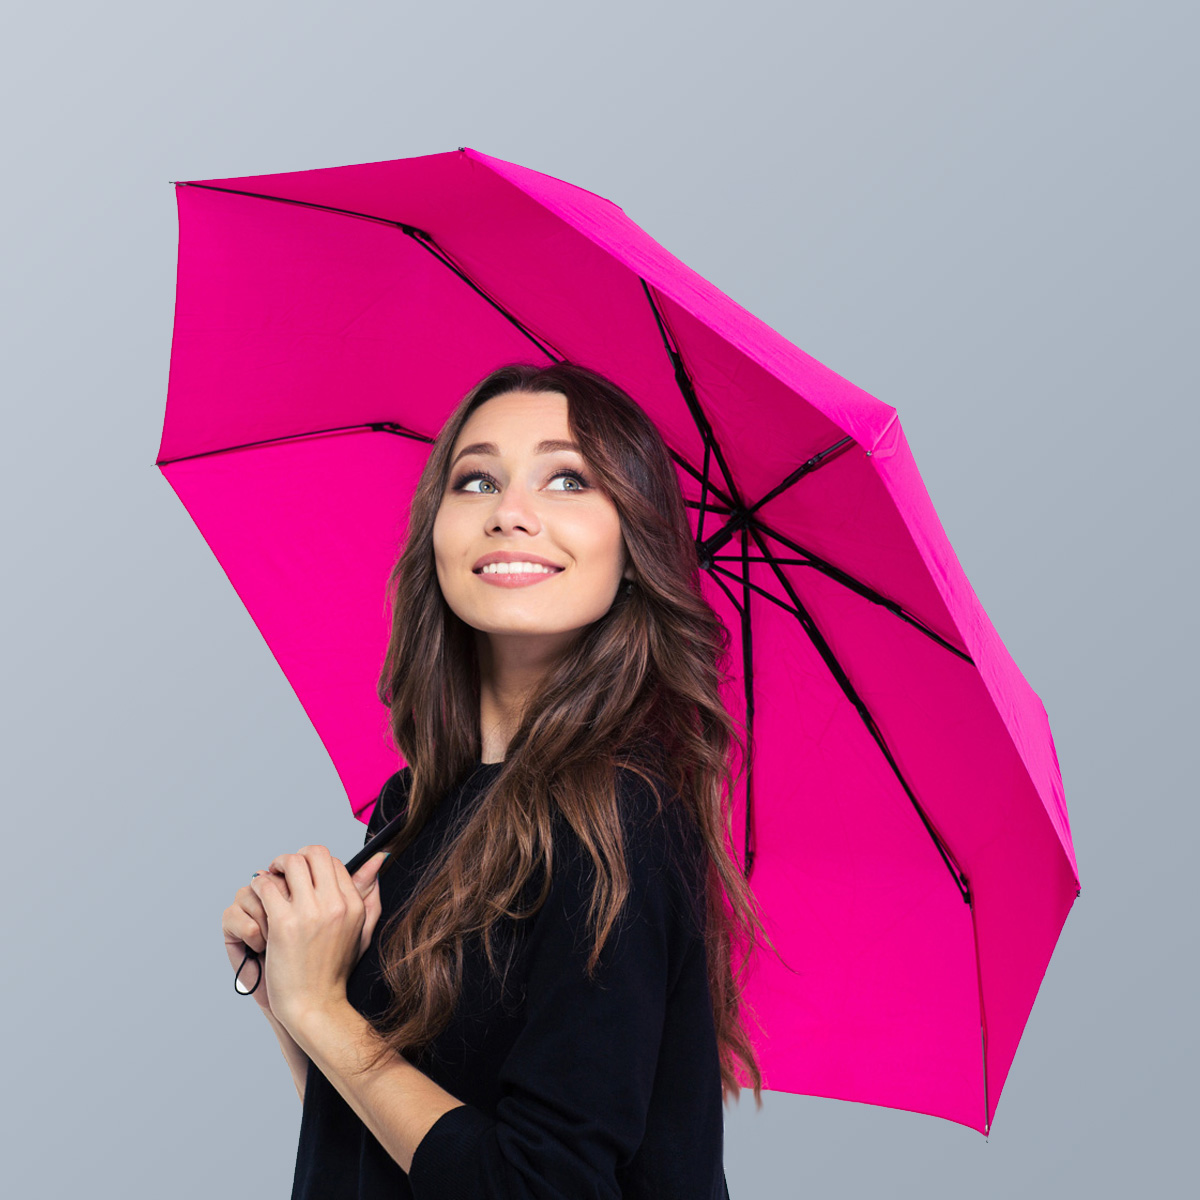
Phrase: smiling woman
(549, 1005)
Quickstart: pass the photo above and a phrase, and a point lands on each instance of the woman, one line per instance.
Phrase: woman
(550, 1007)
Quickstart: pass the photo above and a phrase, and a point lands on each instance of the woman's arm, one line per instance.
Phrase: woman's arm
(397, 1102)
(297, 1060)
(576, 1084)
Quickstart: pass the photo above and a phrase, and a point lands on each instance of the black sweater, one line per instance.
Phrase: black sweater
(571, 1090)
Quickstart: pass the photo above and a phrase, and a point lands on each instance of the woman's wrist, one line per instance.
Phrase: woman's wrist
(296, 1058)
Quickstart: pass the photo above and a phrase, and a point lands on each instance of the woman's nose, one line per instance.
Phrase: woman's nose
(515, 508)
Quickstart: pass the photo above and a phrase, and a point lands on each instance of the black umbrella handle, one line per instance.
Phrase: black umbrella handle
(369, 850)
(237, 987)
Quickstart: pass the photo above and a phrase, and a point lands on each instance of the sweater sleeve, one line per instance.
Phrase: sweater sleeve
(577, 1082)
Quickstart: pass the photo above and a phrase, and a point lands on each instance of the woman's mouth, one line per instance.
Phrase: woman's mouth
(525, 577)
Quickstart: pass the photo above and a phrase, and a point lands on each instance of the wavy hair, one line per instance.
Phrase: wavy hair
(639, 688)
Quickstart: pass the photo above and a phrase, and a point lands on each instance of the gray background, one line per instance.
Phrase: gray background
(981, 214)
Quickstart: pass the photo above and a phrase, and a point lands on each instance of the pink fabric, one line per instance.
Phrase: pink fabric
(291, 320)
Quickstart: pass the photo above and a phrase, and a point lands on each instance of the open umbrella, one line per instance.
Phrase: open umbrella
(903, 821)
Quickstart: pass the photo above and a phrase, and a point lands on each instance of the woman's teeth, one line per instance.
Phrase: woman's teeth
(516, 569)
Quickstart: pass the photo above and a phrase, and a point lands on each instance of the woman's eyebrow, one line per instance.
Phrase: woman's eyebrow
(547, 447)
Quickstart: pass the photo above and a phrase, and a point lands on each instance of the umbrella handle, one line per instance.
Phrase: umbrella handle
(237, 986)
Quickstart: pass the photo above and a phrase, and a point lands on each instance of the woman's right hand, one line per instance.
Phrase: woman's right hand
(244, 924)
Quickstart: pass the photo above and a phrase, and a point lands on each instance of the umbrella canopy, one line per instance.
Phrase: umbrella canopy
(903, 823)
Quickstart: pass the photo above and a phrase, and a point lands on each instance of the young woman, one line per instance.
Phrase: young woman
(539, 994)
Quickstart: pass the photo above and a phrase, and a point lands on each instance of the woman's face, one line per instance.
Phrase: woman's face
(523, 501)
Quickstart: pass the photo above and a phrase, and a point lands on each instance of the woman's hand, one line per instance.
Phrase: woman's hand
(320, 921)
(244, 924)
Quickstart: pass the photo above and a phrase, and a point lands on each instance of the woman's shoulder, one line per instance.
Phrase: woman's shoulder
(653, 810)
(662, 835)
(392, 799)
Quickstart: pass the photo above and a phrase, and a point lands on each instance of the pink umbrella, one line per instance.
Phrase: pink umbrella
(903, 823)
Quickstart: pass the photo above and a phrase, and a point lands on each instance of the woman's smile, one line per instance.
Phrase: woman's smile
(516, 575)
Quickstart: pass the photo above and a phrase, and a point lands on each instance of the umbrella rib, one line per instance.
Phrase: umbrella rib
(373, 426)
(983, 1029)
(806, 468)
(684, 382)
(419, 236)
(843, 680)
(749, 851)
(704, 486)
(703, 479)
(423, 239)
(748, 683)
(712, 508)
(716, 571)
(721, 583)
(865, 590)
(849, 582)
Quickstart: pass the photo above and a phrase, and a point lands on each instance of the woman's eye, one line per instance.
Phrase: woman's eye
(461, 482)
(575, 475)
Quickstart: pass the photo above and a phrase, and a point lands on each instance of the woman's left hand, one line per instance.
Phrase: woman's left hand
(319, 921)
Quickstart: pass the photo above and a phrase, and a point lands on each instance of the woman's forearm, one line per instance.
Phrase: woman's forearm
(397, 1102)
(297, 1060)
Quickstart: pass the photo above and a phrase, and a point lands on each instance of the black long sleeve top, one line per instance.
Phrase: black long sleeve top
(572, 1089)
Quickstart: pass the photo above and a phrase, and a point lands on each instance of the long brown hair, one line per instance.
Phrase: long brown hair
(638, 688)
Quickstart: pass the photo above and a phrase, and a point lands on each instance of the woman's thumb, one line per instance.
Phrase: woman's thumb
(368, 874)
